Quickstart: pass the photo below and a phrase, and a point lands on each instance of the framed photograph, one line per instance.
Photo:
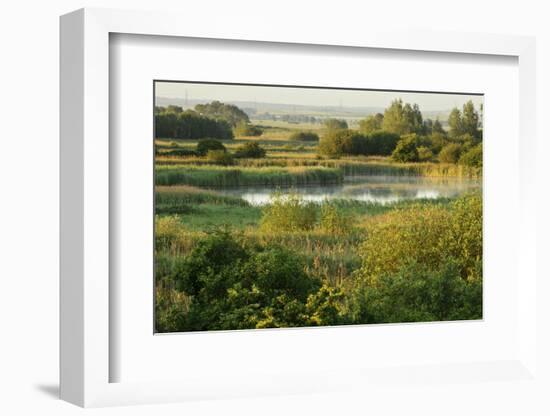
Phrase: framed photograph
(281, 213)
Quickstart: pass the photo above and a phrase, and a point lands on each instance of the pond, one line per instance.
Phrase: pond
(381, 189)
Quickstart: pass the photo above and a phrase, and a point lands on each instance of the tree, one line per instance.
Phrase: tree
(206, 145)
(371, 124)
(250, 150)
(245, 129)
(306, 136)
(470, 120)
(438, 128)
(402, 119)
(220, 111)
(406, 150)
(465, 122)
(343, 142)
(332, 124)
(455, 123)
(473, 157)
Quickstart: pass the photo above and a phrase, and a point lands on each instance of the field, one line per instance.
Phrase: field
(293, 237)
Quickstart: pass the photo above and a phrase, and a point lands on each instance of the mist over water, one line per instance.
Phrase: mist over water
(379, 189)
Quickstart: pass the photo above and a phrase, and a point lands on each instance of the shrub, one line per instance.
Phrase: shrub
(245, 129)
(450, 153)
(427, 236)
(406, 150)
(250, 150)
(381, 143)
(473, 157)
(234, 286)
(204, 145)
(424, 154)
(343, 142)
(219, 157)
(190, 125)
(288, 213)
(418, 294)
(306, 136)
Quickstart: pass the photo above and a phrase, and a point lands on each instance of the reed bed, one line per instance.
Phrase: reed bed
(213, 176)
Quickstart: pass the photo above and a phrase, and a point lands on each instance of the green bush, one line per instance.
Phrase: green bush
(424, 154)
(343, 142)
(244, 129)
(417, 293)
(250, 150)
(306, 136)
(288, 213)
(219, 157)
(473, 157)
(450, 153)
(406, 150)
(235, 286)
(205, 145)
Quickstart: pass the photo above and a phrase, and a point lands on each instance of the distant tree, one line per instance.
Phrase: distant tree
(174, 109)
(437, 128)
(470, 120)
(190, 125)
(247, 130)
(342, 142)
(371, 124)
(206, 145)
(220, 111)
(402, 119)
(335, 124)
(306, 136)
(465, 122)
(250, 150)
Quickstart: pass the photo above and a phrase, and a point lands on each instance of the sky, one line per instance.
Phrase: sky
(310, 96)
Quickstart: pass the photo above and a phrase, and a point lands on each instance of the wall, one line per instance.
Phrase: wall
(29, 174)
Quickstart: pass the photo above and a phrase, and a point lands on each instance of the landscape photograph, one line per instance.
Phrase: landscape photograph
(295, 206)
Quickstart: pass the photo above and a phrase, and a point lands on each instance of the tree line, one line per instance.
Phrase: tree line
(402, 132)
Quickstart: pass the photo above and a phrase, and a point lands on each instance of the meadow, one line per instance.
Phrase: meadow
(310, 254)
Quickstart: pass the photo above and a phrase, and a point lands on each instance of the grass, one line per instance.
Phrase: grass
(328, 256)
(212, 176)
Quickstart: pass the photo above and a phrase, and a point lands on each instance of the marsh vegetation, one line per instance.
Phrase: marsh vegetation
(269, 221)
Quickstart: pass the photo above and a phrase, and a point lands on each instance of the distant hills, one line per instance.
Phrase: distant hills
(253, 107)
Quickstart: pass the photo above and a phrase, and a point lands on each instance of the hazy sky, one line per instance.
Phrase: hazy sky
(310, 96)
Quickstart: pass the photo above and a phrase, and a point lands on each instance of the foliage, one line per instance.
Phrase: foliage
(205, 145)
(333, 220)
(371, 124)
(235, 286)
(425, 235)
(381, 143)
(416, 293)
(424, 154)
(190, 125)
(406, 150)
(465, 122)
(402, 119)
(450, 153)
(332, 124)
(244, 129)
(250, 150)
(219, 157)
(473, 157)
(217, 110)
(288, 213)
(306, 136)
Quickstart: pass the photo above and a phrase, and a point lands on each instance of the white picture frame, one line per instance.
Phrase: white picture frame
(85, 355)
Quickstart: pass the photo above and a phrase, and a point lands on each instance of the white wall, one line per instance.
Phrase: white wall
(29, 178)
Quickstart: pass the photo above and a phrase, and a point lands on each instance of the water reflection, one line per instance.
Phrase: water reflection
(381, 189)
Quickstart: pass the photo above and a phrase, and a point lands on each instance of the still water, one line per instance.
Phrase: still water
(382, 189)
